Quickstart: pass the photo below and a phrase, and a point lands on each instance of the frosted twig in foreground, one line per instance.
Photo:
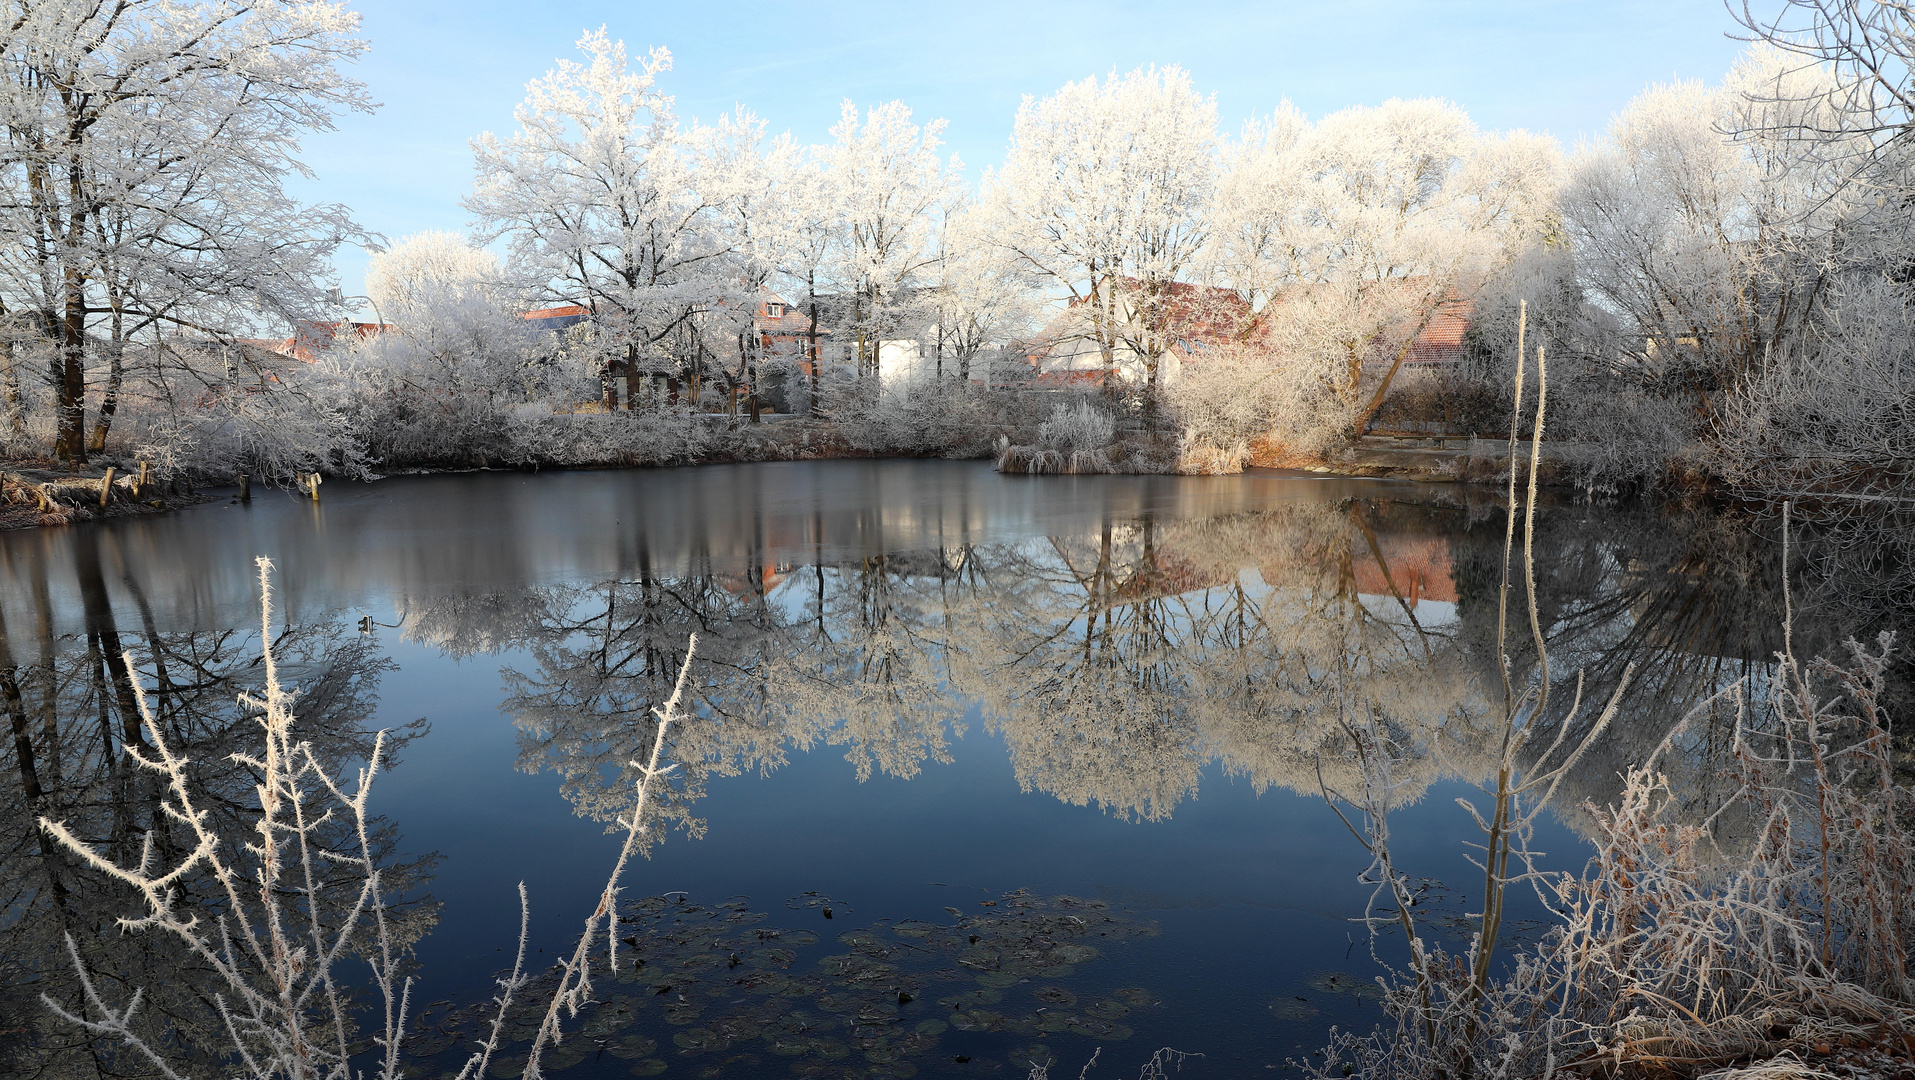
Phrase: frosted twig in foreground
(272, 977)
(575, 985)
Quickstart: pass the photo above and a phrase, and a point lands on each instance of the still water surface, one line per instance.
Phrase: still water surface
(1047, 750)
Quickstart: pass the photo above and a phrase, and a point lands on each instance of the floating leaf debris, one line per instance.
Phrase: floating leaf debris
(714, 987)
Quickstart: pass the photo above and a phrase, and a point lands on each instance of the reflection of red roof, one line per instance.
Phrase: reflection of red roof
(742, 583)
(1170, 576)
(1413, 568)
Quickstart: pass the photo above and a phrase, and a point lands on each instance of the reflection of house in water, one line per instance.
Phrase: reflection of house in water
(1134, 564)
(758, 582)
(1408, 568)
(1164, 576)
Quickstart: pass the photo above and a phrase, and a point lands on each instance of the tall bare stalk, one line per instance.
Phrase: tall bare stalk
(1765, 941)
(1449, 997)
(283, 927)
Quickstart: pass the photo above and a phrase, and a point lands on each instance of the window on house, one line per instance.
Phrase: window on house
(776, 311)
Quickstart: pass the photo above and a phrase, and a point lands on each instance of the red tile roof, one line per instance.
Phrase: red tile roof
(1441, 340)
(794, 322)
(312, 338)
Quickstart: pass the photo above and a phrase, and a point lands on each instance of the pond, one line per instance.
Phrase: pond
(983, 770)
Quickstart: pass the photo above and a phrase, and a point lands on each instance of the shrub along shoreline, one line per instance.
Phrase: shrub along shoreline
(37, 492)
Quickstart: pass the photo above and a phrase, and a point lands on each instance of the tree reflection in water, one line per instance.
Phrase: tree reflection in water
(1120, 661)
(72, 714)
(1126, 649)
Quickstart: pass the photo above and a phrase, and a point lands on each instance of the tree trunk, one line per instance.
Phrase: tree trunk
(1362, 422)
(857, 321)
(608, 386)
(110, 401)
(10, 402)
(97, 608)
(70, 441)
(811, 286)
(69, 370)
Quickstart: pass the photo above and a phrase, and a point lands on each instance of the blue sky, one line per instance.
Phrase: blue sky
(446, 70)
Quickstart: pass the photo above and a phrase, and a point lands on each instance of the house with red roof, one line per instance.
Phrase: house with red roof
(310, 339)
(1119, 327)
(784, 329)
(1189, 323)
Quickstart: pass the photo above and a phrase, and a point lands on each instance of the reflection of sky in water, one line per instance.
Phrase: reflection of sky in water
(1118, 687)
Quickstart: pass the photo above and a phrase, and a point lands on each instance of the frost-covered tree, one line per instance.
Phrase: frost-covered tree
(1104, 196)
(1710, 229)
(142, 175)
(891, 189)
(748, 181)
(1866, 49)
(415, 281)
(980, 299)
(437, 383)
(600, 199)
(811, 234)
(1350, 234)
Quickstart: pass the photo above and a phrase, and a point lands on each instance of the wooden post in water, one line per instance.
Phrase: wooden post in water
(311, 480)
(245, 487)
(106, 486)
(139, 486)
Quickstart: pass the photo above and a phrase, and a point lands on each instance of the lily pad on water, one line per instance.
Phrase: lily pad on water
(768, 982)
(977, 1020)
(699, 1039)
(738, 1028)
(1071, 954)
(1293, 1008)
(972, 999)
(1093, 1028)
(1339, 982)
(735, 992)
(1053, 1021)
(632, 1047)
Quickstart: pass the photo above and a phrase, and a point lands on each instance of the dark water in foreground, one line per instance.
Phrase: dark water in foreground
(1046, 749)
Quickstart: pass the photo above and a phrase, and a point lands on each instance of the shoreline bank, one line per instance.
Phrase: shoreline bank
(39, 493)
